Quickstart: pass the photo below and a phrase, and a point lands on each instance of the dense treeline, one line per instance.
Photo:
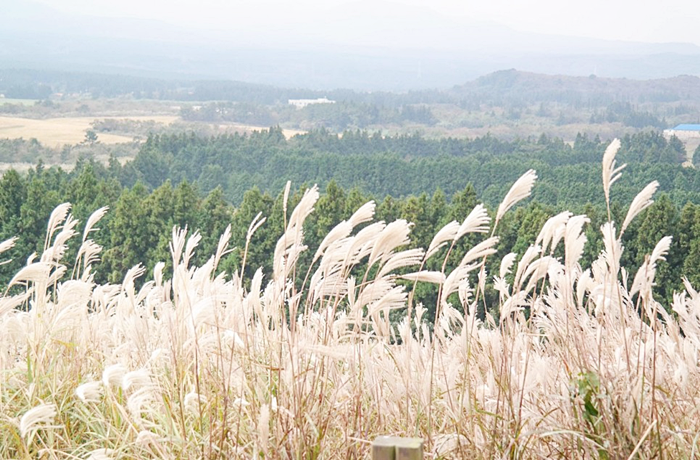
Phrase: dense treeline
(410, 164)
(138, 227)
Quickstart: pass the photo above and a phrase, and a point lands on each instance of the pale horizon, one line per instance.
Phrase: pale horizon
(642, 20)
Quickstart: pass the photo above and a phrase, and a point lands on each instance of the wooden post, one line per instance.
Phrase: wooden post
(396, 448)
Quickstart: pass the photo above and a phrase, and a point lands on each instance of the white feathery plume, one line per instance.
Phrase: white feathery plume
(425, 276)
(89, 251)
(7, 244)
(101, 454)
(575, 240)
(74, 292)
(553, 231)
(138, 379)
(90, 392)
(520, 190)
(483, 249)
(539, 269)
(140, 401)
(35, 273)
(222, 248)
(465, 293)
(513, 304)
(584, 284)
(35, 419)
(254, 226)
(264, 427)
(644, 278)
(525, 260)
(501, 285)
(476, 222)
(454, 279)
(613, 248)
(192, 243)
(364, 214)
(285, 196)
(9, 303)
(57, 250)
(113, 375)
(394, 235)
(506, 264)
(58, 215)
(610, 172)
(303, 209)
(400, 260)
(177, 244)
(395, 298)
(158, 273)
(372, 292)
(93, 219)
(640, 203)
(132, 275)
(360, 244)
(446, 233)
(193, 400)
(340, 231)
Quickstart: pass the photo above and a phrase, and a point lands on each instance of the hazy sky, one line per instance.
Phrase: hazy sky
(637, 20)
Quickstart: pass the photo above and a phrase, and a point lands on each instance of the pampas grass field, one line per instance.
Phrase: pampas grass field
(572, 362)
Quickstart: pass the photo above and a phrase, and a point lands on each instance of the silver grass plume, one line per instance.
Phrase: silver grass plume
(520, 190)
(644, 279)
(445, 234)
(478, 220)
(640, 203)
(610, 172)
(90, 392)
(93, 220)
(35, 419)
(553, 231)
(58, 215)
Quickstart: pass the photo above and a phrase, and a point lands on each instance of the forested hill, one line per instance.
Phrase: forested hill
(524, 87)
(510, 86)
(410, 164)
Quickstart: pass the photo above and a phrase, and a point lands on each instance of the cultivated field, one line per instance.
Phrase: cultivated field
(55, 132)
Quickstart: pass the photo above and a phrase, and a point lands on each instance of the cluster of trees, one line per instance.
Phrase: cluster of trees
(625, 113)
(336, 117)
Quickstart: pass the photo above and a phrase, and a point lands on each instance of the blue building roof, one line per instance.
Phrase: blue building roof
(687, 127)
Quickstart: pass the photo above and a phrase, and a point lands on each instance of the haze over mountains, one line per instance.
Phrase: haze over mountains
(363, 45)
